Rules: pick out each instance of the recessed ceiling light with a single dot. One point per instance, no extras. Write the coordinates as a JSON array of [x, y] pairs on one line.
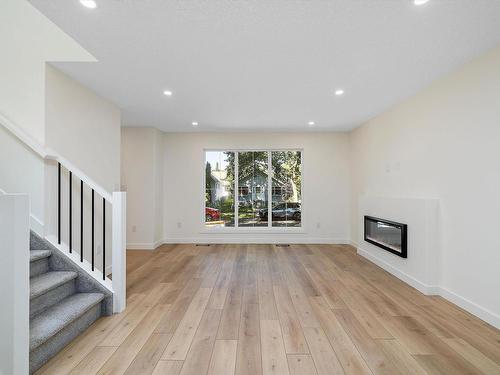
[[89, 4], [167, 93], [420, 2], [339, 92], [310, 123], [194, 123]]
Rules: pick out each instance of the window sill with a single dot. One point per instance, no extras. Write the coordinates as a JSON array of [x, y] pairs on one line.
[[254, 231]]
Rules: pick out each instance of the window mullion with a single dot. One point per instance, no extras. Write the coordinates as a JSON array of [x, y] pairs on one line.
[[269, 190], [236, 191]]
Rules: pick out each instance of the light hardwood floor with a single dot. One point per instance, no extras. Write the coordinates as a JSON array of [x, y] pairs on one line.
[[262, 309]]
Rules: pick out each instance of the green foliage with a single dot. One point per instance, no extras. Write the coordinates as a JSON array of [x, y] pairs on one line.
[[208, 178], [248, 163], [227, 205], [286, 166]]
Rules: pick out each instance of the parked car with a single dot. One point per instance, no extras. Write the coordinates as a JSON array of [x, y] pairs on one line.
[[287, 211], [212, 214]]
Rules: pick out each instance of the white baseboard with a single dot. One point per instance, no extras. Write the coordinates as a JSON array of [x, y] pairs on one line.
[[225, 240], [255, 240], [144, 246], [420, 286], [479, 311], [37, 225]]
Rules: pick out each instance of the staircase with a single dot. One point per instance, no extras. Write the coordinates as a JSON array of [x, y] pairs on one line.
[[64, 301], [84, 240]]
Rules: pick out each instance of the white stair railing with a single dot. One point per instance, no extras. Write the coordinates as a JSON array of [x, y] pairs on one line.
[[70, 193], [14, 283]]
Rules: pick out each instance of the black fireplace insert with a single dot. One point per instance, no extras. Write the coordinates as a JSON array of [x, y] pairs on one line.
[[388, 235]]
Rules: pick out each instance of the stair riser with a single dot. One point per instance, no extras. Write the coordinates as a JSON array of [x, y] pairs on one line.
[[39, 266], [51, 347], [50, 298]]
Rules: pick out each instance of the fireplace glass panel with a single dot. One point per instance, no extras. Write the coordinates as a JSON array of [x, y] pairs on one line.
[[386, 234]]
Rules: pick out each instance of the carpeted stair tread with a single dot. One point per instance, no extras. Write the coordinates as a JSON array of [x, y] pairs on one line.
[[39, 254], [51, 321], [47, 281]]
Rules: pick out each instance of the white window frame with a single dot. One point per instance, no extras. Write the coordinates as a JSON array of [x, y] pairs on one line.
[[269, 228]]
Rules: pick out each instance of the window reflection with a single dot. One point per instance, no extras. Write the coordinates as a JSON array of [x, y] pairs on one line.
[[219, 189], [252, 188], [251, 196], [286, 188]]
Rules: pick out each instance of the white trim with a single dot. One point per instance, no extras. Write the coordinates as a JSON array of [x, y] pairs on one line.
[[36, 225], [256, 240], [420, 286], [85, 265], [479, 311], [14, 283], [270, 175], [472, 307], [23, 136], [109, 271], [264, 229], [48, 154], [254, 230], [119, 251], [145, 246]]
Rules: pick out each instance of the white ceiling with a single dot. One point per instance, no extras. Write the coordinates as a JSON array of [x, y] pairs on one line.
[[268, 64]]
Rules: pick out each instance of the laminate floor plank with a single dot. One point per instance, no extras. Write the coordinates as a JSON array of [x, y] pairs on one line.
[[223, 358], [262, 309], [301, 364], [273, 349]]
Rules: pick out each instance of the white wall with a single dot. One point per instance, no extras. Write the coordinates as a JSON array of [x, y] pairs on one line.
[[444, 144], [22, 170], [326, 180], [22, 66], [158, 183], [25, 52], [86, 130], [83, 128], [421, 268], [142, 178]]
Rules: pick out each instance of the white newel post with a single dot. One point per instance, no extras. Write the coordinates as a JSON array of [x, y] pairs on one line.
[[119, 253], [14, 283]]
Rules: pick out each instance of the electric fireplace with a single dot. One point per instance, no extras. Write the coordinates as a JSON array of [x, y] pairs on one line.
[[386, 234]]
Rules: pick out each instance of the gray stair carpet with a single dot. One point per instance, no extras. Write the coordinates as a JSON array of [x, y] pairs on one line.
[[39, 254], [39, 262], [45, 282], [50, 322], [64, 301]]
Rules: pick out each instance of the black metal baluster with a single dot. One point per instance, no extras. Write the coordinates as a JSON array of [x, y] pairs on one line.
[[70, 209], [81, 221], [59, 203], [92, 229], [103, 238]]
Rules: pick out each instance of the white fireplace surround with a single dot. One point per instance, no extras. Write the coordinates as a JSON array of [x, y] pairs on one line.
[[422, 268]]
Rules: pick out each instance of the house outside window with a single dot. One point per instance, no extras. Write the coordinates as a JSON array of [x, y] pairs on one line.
[[269, 186]]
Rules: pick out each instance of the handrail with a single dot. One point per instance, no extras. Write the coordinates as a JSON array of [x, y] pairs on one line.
[[82, 176], [49, 154], [117, 200], [23, 136]]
